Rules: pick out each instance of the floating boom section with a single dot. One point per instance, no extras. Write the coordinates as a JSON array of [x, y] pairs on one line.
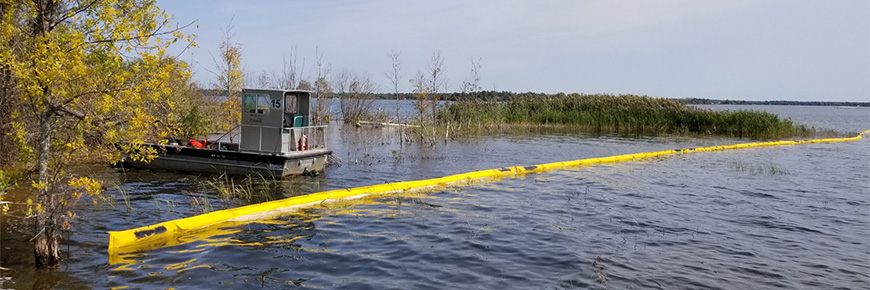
[[169, 233]]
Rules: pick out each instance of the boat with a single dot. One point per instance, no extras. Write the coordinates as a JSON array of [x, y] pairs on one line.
[[275, 139]]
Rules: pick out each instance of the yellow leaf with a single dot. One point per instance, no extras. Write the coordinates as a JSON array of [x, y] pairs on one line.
[[38, 185]]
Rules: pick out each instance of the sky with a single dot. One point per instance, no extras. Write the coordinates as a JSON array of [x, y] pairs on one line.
[[736, 49]]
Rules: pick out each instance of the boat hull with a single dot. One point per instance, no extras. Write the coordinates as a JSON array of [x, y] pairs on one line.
[[235, 162]]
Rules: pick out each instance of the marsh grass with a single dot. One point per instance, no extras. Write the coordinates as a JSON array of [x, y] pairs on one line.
[[251, 188], [201, 202], [125, 197], [613, 114], [157, 204], [759, 168]]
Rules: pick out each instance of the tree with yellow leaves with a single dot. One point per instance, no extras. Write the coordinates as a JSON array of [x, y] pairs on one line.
[[88, 75], [230, 79]]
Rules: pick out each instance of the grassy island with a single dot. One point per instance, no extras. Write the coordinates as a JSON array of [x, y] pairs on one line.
[[619, 114]]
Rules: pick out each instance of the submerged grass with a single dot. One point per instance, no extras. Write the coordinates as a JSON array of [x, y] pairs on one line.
[[617, 114], [760, 168]]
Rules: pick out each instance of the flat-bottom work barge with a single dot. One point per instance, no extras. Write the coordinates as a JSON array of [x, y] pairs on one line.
[[275, 140]]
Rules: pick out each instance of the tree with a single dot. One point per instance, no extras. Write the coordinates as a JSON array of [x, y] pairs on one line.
[[472, 85], [305, 85], [196, 112], [323, 100], [395, 75], [426, 88], [424, 103], [88, 75], [421, 96], [435, 69], [8, 105], [264, 80], [357, 95], [322, 91], [341, 81], [230, 80], [289, 72]]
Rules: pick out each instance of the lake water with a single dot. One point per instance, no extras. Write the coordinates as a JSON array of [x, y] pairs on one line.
[[795, 217]]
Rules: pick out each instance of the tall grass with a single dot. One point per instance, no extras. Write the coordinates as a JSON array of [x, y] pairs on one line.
[[252, 188], [618, 114]]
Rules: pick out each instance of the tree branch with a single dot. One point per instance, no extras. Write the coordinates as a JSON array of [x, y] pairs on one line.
[[73, 12], [59, 109], [152, 34]]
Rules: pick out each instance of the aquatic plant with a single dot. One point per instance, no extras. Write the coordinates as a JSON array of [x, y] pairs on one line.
[[126, 198], [156, 203], [759, 169], [202, 203], [617, 114], [251, 188], [600, 270]]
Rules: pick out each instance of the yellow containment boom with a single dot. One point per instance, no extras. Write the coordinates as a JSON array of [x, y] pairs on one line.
[[169, 233]]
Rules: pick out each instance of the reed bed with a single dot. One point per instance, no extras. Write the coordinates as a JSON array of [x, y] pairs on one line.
[[617, 114]]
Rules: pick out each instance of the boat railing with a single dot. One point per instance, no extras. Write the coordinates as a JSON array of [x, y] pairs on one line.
[[303, 138]]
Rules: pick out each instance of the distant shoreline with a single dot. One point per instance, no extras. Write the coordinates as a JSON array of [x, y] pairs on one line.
[[695, 101], [505, 95]]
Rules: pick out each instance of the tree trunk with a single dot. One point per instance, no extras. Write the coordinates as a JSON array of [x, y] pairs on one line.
[[8, 153], [45, 248]]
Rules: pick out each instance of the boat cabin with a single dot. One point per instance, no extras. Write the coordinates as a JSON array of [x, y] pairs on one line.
[[278, 122]]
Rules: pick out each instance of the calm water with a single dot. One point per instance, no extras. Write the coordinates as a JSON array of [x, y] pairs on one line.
[[769, 218]]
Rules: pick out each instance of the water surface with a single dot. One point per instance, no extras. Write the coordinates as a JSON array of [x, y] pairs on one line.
[[795, 217]]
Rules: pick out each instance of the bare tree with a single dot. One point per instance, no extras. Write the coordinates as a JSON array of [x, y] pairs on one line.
[[427, 87], [424, 102], [421, 92], [341, 81], [436, 68], [395, 76], [289, 78], [356, 103], [264, 80], [472, 85], [322, 90]]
